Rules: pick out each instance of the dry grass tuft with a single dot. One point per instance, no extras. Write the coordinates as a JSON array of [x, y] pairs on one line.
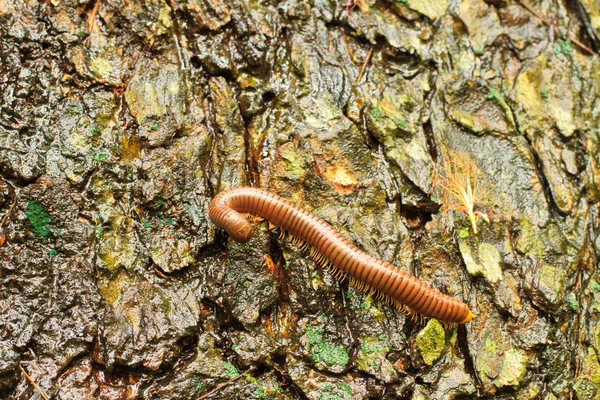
[[458, 178]]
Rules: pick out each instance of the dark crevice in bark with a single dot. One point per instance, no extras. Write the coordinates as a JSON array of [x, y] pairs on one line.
[[586, 34], [463, 345], [538, 167]]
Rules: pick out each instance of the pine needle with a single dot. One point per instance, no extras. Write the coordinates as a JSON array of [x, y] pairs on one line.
[[215, 390], [33, 384]]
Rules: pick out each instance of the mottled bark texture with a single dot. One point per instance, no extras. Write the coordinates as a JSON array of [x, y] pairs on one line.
[[121, 119]]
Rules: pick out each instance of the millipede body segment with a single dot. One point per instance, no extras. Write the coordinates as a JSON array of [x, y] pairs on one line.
[[329, 247]]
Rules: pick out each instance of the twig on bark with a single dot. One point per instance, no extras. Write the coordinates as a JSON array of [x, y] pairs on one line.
[[33, 384], [229, 382], [548, 23], [92, 19], [10, 208], [364, 67]]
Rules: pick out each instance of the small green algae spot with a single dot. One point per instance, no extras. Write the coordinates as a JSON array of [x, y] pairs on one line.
[[321, 351], [595, 286], [147, 224], [513, 370], [38, 218], [401, 123], [53, 252], [544, 93], [95, 129], [376, 113], [495, 95], [287, 265], [402, 1], [339, 392], [430, 341], [160, 203], [230, 370], [463, 234], [259, 393], [101, 156], [98, 231], [73, 111], [573, 302], [565, 47], [154, 126]]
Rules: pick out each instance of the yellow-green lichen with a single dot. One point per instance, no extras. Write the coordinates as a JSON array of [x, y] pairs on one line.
[[431, 341], [587, 384], [487, 263], [513, 370], [552, 283]]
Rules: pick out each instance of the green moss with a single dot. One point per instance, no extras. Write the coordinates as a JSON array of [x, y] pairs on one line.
[[230, 370], [39, 219], [463, 234], [376, 112], [147, 224], [53, 252], [431, 341], [595, 286], [544, 93]]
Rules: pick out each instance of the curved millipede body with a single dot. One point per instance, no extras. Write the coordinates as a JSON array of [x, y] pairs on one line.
[[329, 247]]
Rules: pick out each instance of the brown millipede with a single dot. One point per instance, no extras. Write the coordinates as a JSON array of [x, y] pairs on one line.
[[329, 247]]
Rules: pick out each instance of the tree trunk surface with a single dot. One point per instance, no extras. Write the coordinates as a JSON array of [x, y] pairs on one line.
[[120, 120]]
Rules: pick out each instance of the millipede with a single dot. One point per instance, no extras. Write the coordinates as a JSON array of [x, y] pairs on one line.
[[230, 209]]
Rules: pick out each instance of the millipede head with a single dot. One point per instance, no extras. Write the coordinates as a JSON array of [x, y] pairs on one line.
[[469, 317]]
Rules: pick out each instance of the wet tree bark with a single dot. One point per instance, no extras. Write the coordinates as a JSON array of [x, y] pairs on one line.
[[120, 120]]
